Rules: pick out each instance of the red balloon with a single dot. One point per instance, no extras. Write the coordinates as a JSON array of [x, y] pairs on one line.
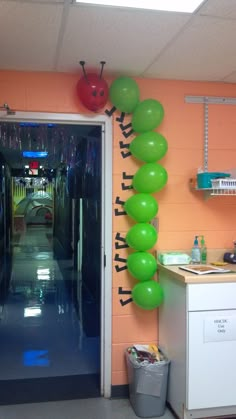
[[93, 92]]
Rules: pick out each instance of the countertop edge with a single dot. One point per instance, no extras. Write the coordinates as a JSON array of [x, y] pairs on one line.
[[191, 278]]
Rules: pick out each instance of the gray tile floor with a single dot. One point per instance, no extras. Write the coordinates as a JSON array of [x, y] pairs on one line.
[[99, 408]]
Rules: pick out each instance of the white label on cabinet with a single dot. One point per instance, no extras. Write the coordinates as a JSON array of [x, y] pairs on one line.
[[218, 329]]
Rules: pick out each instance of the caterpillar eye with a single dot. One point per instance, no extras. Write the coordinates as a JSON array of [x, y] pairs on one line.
[[94, 93], [102, 93]]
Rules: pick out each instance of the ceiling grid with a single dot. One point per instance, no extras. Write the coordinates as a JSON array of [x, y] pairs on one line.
[[54, 35]]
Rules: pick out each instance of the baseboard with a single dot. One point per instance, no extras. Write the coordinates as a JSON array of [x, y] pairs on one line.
[[172, 410], [120, 392], [36, 390]]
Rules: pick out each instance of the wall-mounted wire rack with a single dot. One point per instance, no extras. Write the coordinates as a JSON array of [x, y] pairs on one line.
[[220, 187]]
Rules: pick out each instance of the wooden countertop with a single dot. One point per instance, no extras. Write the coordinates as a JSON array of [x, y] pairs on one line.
[[191, 278]]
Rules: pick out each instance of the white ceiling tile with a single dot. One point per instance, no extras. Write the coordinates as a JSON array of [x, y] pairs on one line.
[[231, 78], [225, 9], [168, 45], [28, 35], [127, 40], [36, 1], [204, 51]]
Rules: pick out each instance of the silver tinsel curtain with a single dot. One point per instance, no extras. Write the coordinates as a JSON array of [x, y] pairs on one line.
[[58, 140]]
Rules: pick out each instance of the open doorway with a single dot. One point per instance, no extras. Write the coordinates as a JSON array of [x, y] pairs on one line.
[[54, 322]]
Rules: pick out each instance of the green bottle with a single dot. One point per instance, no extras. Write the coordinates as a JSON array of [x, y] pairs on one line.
[[203, 251]]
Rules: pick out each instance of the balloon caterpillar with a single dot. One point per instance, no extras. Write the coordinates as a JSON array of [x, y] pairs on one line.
[[149, 147]]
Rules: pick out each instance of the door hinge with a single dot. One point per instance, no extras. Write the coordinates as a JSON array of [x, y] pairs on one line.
[[105, 260]]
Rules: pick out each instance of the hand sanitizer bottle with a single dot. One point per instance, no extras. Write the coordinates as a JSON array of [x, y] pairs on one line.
[[196, 253], [203, 251]]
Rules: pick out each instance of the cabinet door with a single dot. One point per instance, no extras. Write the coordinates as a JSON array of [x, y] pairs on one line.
[[211, 359]]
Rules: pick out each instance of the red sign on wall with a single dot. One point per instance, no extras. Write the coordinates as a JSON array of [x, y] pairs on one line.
[[34, 164]]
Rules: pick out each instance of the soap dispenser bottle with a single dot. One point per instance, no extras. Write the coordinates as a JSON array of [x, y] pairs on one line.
[[196, 252], [203, 251]]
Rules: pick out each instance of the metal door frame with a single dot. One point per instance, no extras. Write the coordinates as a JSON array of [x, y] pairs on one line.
[[106, 236]]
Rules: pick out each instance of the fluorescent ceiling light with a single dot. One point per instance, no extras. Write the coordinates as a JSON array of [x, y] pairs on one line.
[[185, 6], [43, 271], [44, 277]]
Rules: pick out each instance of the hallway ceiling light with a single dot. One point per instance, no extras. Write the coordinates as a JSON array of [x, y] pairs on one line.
[[43, 271], [42, 256], [184, 6], [43, 277]]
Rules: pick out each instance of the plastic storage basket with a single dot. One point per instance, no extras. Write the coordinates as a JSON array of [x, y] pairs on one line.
[[224, 184]]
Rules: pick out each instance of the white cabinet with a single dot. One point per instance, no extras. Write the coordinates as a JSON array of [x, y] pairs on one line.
[[197, 330], [211, 359]]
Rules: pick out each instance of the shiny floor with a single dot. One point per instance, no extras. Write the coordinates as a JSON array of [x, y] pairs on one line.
[[40, 329], [75, 409], [50, 350]]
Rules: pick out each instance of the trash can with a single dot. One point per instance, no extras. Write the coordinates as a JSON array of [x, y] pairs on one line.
[[147, 386]]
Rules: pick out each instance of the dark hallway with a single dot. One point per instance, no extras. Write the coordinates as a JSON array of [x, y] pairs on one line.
[[50, 292]]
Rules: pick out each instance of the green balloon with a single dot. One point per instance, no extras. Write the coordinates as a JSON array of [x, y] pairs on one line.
[[141, 236], [148, 295], [142, 207], [142, 265], [124, 94], [149, 146], [151, 177], [147, 115]]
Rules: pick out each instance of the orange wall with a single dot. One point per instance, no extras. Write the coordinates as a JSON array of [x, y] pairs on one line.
[[182, 213]]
